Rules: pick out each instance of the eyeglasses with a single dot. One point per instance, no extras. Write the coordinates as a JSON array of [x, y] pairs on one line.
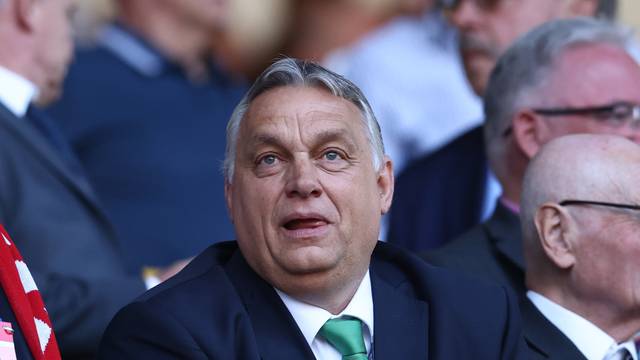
[[614, 115], [599, 203]]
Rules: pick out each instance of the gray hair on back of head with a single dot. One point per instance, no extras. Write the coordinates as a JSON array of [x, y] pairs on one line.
[[523, 69], [294, 72]]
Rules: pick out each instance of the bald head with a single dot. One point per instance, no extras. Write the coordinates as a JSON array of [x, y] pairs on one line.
[[584, 166], [582, 254]]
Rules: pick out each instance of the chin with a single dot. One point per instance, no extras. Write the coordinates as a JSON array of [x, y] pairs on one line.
[[309, 261]]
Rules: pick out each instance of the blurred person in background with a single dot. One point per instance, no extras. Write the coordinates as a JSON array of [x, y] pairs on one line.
[[580, 222], [47, 203], [145, 109], [565, 77], [444, 194], [410, 70]]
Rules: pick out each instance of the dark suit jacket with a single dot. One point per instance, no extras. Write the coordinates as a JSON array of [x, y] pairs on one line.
[[491, 251], [440, 196], [544, 339], [219, 308], [56, 222]]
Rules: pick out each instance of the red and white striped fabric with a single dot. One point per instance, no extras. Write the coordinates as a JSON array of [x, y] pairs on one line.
[[25, 300]]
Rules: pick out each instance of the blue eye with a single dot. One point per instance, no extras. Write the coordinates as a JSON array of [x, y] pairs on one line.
[[332, 155], [268, 160]]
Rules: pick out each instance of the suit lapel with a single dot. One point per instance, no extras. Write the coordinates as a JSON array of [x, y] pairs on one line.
[[43, 151], [276, 332], [400, 322], [501, 227], [543, 337]]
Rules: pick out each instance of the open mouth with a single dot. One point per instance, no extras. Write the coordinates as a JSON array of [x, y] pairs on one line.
[[305, 226], [306, 223]]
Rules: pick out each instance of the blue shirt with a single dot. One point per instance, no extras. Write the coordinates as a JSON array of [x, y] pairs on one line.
[[152, 143]]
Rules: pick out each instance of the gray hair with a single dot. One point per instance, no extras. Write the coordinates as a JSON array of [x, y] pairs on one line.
[[522, 71], [294, 72]]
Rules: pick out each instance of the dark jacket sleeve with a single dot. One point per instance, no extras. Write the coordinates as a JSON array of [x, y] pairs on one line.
[[140, 332], [80, 309]]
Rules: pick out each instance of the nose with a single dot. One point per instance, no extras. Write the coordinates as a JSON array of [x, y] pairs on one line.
[[302, 179], [465, 15]]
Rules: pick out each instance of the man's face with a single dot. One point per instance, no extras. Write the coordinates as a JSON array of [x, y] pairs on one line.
[[606, 273], [54, 44], [588, 76], [305, 198], [488, 27], [210, 14]]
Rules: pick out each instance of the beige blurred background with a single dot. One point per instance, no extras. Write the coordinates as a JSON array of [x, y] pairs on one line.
[[629, 13]]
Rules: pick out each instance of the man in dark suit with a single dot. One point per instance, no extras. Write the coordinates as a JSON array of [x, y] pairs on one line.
[[46, 202], [307, 182], [145, 109], [444, 194], [580, 224], [549, 79]]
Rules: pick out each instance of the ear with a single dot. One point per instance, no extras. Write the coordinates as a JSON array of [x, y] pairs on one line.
[[554, 225], [582, 8], [26, 12], [528, 131], [228, 195], [386, 184]]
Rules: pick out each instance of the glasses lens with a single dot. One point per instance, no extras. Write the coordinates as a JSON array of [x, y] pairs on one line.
[[616, 115]]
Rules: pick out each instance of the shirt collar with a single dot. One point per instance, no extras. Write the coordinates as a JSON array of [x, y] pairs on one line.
[[311, 318], [592, 342], [132, 50], [16, 92]]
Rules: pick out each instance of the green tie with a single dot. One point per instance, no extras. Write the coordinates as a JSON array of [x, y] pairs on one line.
[[345, 334]]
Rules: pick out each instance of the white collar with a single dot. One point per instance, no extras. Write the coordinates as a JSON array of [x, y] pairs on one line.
[[131, 51], [16, 92], [592, 342], [311, 318]]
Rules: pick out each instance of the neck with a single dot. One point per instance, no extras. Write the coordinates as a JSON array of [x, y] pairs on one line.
[[331, 295], [186, 43], [512, 174], [620, 324]]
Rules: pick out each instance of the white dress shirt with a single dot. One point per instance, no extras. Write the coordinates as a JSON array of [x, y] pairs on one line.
[[16, 92], [310, 319], [592, 342]]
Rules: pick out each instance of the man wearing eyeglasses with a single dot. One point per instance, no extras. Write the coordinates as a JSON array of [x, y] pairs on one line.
[[564, 77], [580, 221], [441, 196]]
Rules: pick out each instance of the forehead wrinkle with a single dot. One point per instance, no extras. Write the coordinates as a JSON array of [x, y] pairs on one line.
[[326, 136]]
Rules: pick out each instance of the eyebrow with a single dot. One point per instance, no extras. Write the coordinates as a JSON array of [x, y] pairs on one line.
[[334, 135], [320, 138]]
